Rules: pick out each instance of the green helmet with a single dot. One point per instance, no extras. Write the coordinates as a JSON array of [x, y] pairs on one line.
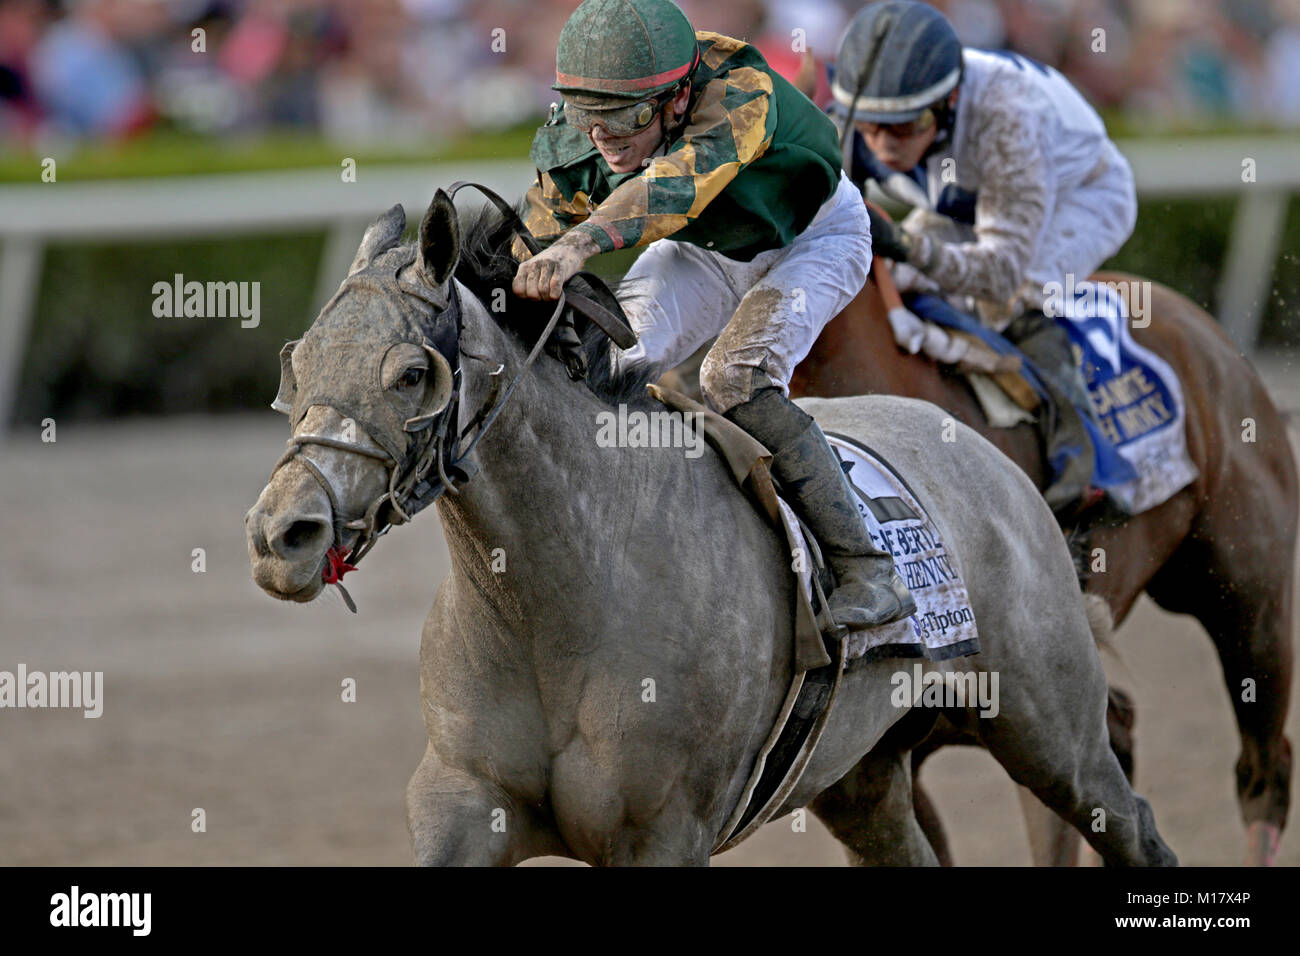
[[625, 49]]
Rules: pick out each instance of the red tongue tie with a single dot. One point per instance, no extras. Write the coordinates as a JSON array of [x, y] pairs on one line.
[[336, 566]]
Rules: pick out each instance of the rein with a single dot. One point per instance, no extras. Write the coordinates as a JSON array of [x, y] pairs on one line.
[[411, 485]]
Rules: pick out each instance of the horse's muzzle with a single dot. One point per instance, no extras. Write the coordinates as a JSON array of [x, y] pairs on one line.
[[287, 551]]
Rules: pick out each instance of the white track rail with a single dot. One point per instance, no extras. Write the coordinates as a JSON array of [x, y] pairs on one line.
[[249, 203]]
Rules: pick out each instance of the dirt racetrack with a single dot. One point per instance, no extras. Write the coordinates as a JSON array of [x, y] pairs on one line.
[[218, 697]]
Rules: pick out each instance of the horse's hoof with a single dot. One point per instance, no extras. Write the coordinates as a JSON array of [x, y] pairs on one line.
[[1261, 843]]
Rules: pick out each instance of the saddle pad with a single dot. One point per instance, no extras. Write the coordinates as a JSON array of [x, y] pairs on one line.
[[1135, 393], [944, 624], [1140, 447]]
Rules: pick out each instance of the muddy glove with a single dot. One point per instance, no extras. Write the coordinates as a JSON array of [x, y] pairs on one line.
[[543, 276], [887, 239]]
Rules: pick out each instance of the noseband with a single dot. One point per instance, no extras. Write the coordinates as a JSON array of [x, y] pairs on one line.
[[412, 484]]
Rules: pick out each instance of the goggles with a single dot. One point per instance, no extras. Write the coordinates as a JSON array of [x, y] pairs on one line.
[[901, 130], [622, 121]]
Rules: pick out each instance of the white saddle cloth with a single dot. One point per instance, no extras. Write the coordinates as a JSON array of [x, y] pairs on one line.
[[943, 626]]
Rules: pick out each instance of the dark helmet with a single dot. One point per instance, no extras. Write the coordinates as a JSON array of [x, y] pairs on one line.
[[897, 59]]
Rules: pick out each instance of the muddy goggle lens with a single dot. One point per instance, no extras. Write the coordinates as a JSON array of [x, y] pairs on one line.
[[624, 121], [902, 130]]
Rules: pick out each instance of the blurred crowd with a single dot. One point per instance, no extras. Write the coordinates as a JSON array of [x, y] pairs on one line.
[[414, 70]]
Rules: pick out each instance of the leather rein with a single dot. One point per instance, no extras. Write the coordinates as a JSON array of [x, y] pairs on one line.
[[412, 483]]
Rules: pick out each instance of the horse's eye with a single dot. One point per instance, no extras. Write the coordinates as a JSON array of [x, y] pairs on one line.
[[411, 377]]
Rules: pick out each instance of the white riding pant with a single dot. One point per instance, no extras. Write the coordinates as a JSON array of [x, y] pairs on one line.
[[766, 313]]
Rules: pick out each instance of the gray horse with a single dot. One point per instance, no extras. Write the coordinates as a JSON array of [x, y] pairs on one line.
[[608, 654]]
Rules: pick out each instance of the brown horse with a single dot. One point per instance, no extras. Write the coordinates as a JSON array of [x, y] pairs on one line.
[[1222, 549]]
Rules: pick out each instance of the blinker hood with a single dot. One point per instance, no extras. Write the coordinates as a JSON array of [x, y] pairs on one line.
[[341, 360]]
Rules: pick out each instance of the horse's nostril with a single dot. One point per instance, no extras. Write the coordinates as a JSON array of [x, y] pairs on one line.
[[303, 535], [301, 532]]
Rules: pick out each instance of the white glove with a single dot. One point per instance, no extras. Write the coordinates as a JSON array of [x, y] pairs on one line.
[[909, 330]]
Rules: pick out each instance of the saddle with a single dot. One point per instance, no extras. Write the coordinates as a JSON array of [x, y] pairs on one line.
[[999, 383]]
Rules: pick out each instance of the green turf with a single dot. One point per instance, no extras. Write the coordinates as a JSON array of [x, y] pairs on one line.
[[174, 154]]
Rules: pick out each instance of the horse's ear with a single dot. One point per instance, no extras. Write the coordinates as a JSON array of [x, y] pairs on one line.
[[439, 240], [381, 235], [288, 383]]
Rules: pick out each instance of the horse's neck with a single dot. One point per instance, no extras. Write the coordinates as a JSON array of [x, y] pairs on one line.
[[547, 503]]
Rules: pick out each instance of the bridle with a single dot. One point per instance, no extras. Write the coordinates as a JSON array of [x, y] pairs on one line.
[[435, 465]]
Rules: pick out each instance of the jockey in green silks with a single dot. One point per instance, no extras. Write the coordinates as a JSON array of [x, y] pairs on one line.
[[691, 145]]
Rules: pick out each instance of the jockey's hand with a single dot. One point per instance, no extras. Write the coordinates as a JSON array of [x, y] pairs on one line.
[[888, 239], [543, 276]]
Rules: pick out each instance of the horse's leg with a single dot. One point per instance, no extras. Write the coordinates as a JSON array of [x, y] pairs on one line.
[[455, 819], [870, 811], [1250, 623], [927, 816], [1067, 762], [943, 734], [1050, 734], [1052, 841]]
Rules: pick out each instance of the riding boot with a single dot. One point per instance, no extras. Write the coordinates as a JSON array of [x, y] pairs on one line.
[[868, 590], [1067, 442]]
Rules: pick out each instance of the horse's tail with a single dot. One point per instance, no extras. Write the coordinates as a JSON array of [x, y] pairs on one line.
[[1101, 622]]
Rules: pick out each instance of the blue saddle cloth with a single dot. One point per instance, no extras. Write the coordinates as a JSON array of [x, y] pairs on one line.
[[1110, 469]]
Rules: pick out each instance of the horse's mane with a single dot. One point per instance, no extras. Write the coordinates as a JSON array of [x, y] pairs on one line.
[[486, 265]]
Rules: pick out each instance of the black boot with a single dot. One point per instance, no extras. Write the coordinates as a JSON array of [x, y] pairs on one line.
[[1049, 347], [868, 590]]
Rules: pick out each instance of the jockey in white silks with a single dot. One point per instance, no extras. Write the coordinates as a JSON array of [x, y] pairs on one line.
[[1014, 182], [691, 145]]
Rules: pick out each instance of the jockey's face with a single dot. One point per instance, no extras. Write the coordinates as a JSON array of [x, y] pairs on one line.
[[624, 154], [901, 146], [897, 147]]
